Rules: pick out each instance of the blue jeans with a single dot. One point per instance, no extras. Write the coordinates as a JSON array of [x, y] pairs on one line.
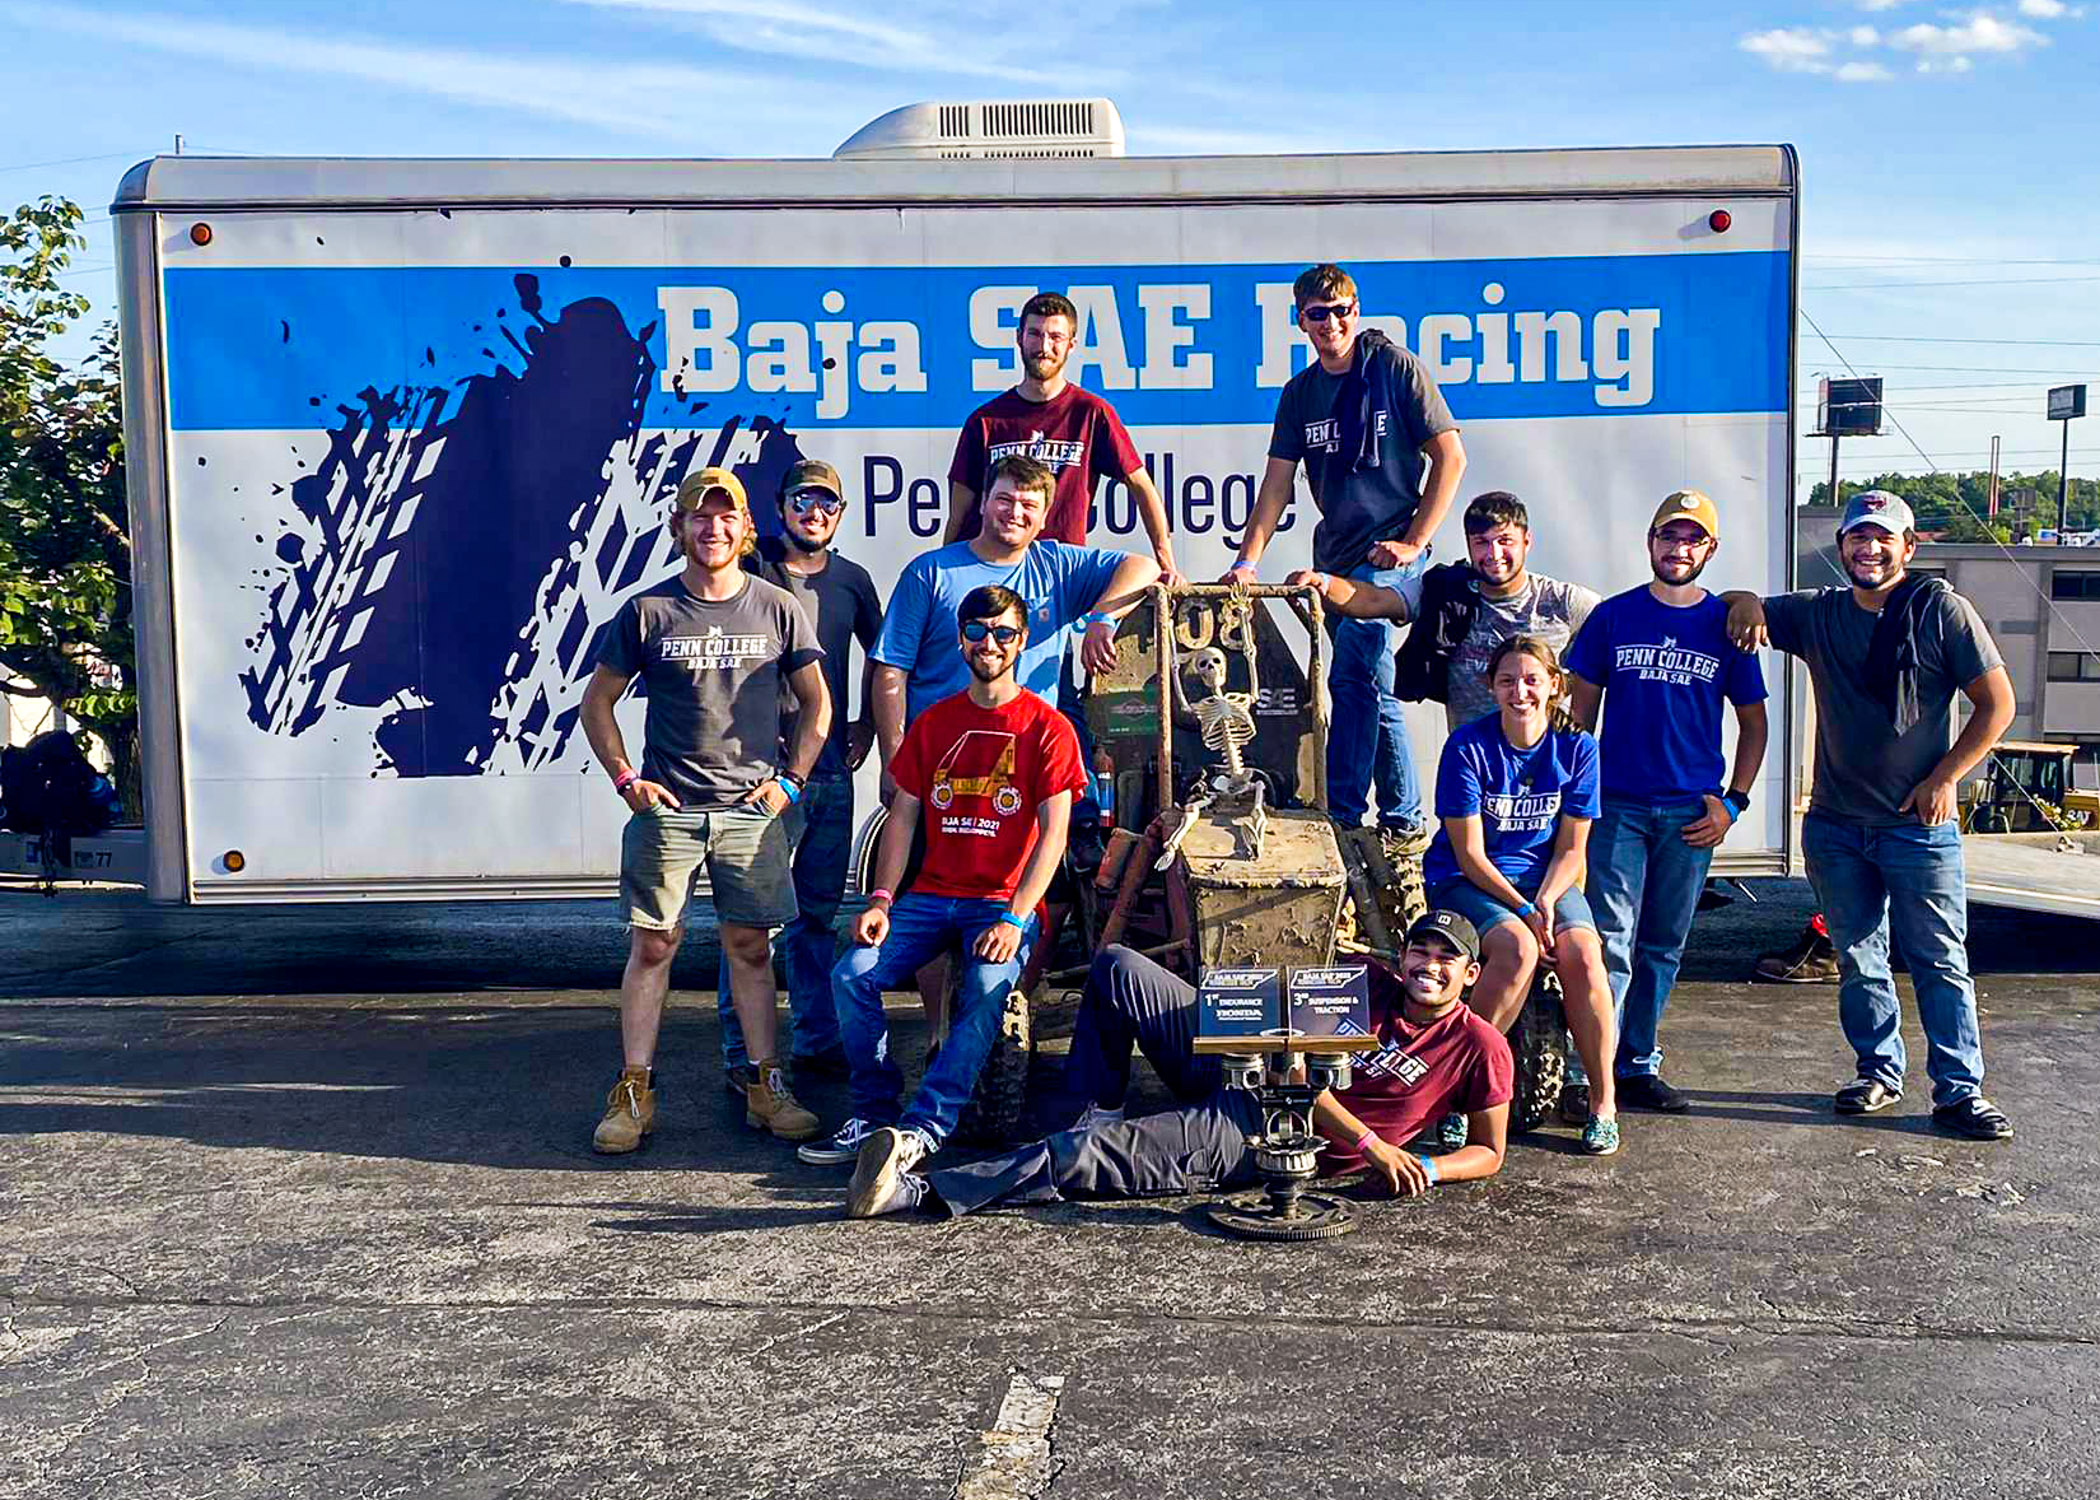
[[923, 928], [1367, 736], [1644, 885], [809, 944], [1906, 879]]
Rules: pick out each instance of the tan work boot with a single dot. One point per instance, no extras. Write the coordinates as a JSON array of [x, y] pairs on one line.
[[769, 1105], [630, 1114]]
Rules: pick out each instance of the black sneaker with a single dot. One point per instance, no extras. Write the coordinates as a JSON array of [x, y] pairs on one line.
[[830, 1063], [1812, 960], [1975, 1118], [1648, 1091], [738, 1080], [1575, 1104], [1865, 1096]]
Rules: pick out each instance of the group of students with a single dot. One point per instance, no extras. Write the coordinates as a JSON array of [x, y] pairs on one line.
[[1552, 844]]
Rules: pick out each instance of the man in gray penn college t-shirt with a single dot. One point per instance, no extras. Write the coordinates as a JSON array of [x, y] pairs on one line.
[[712, 672]]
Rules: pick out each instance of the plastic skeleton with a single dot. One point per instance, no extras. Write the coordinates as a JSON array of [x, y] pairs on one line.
[[1226, 721]]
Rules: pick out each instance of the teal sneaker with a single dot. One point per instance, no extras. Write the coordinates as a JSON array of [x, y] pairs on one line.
[[1600, 1135]]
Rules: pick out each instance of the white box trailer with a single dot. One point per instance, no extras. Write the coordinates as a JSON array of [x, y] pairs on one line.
[[402, 434]]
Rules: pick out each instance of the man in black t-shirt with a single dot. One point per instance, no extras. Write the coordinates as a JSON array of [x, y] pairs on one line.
[[1383, 459]]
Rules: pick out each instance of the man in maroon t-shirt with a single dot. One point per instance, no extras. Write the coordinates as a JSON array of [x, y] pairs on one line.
[[1435, 1056], [994, 769], [1049, 419]]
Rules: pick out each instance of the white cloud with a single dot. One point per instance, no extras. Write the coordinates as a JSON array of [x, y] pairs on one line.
[[1863, 72], [1881, 4], [1865, 36], [613, 95], [1980, 33], [2050, 10], [1793, 49]]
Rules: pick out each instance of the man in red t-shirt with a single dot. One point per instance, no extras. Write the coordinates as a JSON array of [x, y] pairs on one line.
[[1435, 1056], [993, 771], [1047, 418]]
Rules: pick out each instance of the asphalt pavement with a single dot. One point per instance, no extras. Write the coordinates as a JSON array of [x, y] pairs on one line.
[[300, 1201]]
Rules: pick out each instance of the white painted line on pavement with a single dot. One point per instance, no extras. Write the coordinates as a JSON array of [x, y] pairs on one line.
[[1013, 1459]]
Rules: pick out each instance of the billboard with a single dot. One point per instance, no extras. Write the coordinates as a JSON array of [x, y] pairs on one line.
[[416, 459]]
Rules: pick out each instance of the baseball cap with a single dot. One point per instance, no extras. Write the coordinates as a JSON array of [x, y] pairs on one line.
[[1689, 505], [1452, 928], [811, 474], [1891, 512], [697, 487]]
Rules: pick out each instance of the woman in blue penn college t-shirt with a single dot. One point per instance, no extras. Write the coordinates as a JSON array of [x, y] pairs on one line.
[[1515, 793]]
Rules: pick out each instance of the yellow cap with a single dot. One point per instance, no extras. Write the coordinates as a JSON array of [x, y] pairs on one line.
[[1689, 505], [695, 488]]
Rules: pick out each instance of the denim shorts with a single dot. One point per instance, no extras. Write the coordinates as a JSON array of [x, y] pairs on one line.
[[1484, 911], [748, 852]]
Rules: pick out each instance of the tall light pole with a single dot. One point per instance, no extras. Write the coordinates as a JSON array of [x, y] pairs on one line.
[[2066, 403]]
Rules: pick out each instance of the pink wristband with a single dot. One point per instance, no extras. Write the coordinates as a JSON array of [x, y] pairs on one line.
[[883, 894], [1363, 1142], [626, 779]]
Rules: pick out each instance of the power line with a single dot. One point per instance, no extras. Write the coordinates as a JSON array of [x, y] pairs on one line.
[[1890, 286], [66, 161], [1956, 260], [1913, 338]]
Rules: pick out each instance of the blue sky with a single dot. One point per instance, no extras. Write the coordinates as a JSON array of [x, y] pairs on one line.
[[1950, 228]]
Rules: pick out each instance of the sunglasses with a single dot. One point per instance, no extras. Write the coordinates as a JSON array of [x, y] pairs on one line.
[[977, 630], [1321, 312], [802, 502]]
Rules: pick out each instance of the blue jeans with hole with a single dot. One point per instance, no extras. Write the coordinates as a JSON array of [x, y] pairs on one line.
[[809, 945], [922, 928], [1904, 881], [1367, 738], [1644, 886]]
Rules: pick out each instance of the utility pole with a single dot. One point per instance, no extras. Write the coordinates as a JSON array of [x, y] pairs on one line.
[[178, 143], [1992, 513]]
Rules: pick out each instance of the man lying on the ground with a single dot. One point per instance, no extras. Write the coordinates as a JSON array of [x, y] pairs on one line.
[[1435, 1056]]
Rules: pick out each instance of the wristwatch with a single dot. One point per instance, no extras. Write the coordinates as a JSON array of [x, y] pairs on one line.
[[1739, 801]]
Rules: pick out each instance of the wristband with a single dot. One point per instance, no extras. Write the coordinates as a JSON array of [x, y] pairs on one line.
[[1527, 908], [1100, 617], [883, 894], [1429, 1166], [626, 779], [1244, 566], [1363, 1142], [784, 774], [788, 789], [1019, 924]]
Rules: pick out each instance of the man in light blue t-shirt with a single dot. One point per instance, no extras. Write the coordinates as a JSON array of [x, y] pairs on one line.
[[916, 663], [1660, 658]]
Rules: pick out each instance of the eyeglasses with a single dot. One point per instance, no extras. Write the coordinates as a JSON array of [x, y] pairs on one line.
[[977, 630], [1321, 312], [802, 502]]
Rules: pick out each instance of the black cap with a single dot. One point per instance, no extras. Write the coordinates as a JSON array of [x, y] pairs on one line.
[[1452, 928]]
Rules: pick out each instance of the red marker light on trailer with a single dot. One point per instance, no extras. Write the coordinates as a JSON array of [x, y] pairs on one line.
[[1719, 220], [200, 233], [234, 860]]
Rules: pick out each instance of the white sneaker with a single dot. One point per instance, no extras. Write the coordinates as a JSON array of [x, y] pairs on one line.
[[886, 1155], [908, 1193], [837, 1149], [1095, 1117]]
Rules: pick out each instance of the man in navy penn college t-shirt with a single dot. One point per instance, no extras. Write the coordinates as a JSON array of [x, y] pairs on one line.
[[1659, 658]]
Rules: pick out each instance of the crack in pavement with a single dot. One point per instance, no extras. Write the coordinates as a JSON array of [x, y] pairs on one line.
[[1717, 1330]]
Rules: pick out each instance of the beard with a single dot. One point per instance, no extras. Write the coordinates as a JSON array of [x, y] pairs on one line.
[[984, 673], [800, 542], [1043, 366], [1894, 574], [1691, 577]]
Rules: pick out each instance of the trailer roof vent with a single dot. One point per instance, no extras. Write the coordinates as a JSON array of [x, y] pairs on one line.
[[1025, 127]]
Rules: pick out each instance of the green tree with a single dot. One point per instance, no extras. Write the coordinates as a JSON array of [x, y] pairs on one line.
[[65, 558]]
